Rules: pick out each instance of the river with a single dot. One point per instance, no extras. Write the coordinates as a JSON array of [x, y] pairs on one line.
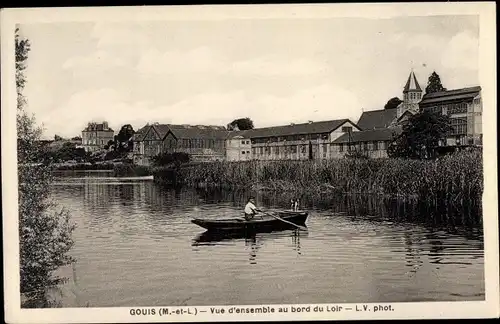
[[136, 246]]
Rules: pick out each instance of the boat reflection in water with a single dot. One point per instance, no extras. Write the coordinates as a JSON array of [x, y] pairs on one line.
[[253, 240]]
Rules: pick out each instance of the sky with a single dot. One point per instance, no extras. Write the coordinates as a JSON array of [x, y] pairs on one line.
[[274, 71]]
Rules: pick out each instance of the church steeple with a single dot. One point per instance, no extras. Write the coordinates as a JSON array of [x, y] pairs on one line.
[[412, 84], [412, 94]]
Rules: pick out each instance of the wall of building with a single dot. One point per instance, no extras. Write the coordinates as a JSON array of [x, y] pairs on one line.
[[373, 149], [239, 149], [340, 131], [95, 140]]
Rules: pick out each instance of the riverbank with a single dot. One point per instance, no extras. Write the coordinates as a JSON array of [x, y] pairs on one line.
[[118, 169], [454, 177]]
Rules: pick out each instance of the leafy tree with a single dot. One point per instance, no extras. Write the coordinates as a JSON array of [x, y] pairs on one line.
[[434, 84], [420, 136], [393, 103], [44, 232], [241, 124], [76, 138], [123, 140], [57, 138]]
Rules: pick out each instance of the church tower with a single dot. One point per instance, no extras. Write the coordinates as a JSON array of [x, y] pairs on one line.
[[412, 94]]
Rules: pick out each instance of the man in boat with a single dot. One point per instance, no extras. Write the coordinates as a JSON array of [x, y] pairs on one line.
[[250, 209]]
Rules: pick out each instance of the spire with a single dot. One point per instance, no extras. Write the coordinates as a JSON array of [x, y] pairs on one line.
[[412, 83]]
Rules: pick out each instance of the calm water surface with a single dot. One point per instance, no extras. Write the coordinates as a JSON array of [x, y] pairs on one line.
[[136, 246]]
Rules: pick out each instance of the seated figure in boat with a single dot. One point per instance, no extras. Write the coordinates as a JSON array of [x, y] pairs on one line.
[[250, 209]]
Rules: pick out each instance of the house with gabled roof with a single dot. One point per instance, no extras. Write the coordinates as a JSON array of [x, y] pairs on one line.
[[201, 142]]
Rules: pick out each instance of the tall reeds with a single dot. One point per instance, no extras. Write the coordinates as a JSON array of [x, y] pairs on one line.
[[454, 177]]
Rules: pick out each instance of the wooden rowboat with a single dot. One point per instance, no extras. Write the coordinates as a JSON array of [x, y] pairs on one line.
[[282, 220]]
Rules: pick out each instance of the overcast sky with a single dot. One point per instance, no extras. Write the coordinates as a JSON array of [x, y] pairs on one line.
[[275, 71]]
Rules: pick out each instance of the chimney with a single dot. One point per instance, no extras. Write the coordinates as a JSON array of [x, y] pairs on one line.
[[105, 125]]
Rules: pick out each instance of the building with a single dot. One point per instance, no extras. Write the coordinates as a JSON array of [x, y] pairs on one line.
[[201, 142], [95, 136], [303, 141], [464, 107], [378, 127], [377, 119], [238, 147], [371, 143], [412, 94]]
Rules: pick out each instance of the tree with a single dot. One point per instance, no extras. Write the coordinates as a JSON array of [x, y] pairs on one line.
[[44, 233], [76, 138], [434, 84], [241, 124], [393, 103], [420, 136], [123, 140], [57, 138]]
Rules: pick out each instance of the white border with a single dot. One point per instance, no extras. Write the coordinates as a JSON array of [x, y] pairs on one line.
[[425, 310]]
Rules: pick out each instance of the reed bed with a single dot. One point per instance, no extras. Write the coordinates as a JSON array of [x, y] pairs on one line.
[[454, 177]]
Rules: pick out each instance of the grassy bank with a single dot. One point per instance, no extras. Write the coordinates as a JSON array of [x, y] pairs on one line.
[[455, 177], [83, 166]]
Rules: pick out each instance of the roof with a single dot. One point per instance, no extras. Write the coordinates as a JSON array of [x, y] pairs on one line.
[[385, 134], [198, 131], [139, 134], [377, 119], [97, 127], [293, 129], [451, 95], [412, 83]]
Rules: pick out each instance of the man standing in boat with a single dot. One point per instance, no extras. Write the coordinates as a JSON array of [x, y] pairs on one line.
[[250, 209]]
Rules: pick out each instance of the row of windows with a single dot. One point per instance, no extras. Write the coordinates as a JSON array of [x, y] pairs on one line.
[[412, 96], [303, 149], [291, 138], [195, 143], [245, 142], [363, 146], [448, 109]]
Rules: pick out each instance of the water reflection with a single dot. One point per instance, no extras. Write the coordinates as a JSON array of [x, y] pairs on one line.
[[380, 250], [252, 240]]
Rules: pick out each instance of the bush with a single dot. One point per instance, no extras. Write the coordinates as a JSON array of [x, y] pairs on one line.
[[176, 158]]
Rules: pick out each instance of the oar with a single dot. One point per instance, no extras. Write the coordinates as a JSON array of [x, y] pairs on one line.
[[285, 221]]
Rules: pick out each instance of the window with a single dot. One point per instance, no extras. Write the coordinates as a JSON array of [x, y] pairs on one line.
[[375, 146], [242, 152], [253, 150], [248, 152], [365, 146], [370, 146], [346, 129], [303, 149], [341, 147], [294, 149]]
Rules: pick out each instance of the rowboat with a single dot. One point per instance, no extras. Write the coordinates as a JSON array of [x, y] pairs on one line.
[[281, 220]]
